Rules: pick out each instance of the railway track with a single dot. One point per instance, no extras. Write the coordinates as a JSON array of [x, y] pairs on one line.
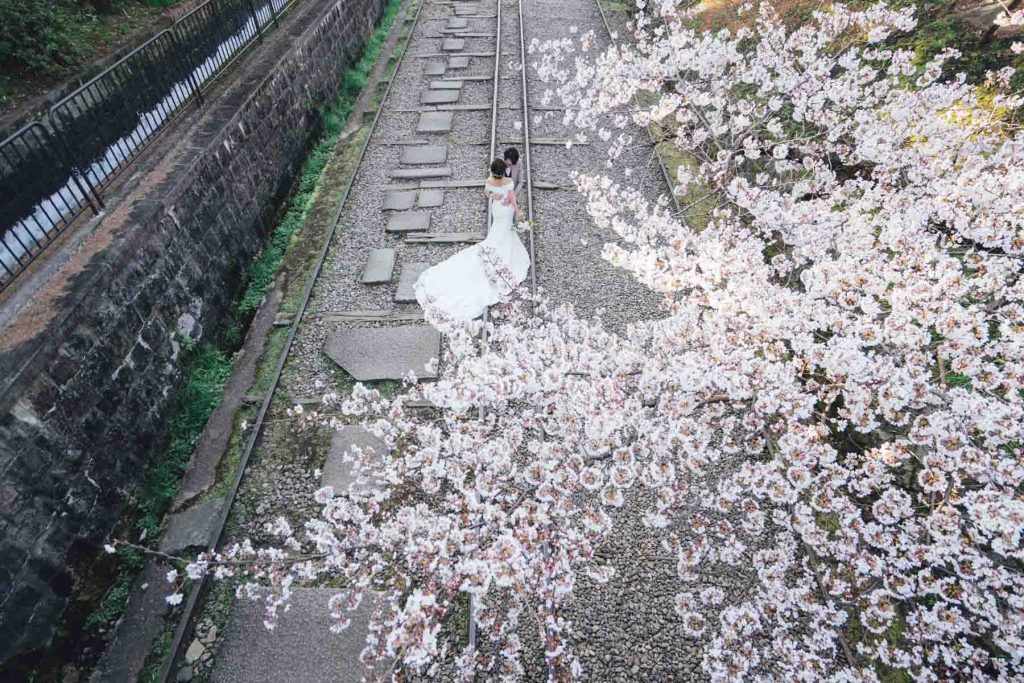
[[661, 162], [185, 629]]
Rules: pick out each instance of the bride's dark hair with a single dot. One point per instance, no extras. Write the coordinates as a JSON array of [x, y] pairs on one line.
[[498, 168]]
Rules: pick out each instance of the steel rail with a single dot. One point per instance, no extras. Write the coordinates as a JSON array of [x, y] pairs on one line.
[[529, 197], [650, 134], [185, 624]]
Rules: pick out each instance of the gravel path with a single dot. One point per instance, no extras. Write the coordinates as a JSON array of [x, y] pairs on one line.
[[626, 630]]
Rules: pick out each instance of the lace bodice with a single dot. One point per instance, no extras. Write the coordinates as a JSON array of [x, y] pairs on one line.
[[498, 189]]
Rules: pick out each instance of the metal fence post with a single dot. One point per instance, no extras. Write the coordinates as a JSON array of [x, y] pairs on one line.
[[184, 61], [64, 150], [256, 20]]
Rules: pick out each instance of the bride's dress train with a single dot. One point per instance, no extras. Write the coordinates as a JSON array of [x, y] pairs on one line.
[[465, 284]]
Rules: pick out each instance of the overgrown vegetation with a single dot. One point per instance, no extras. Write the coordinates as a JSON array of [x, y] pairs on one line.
[[42, 42], [940, 26]]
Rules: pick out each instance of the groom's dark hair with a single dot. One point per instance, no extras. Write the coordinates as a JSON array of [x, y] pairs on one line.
[[512, 154]]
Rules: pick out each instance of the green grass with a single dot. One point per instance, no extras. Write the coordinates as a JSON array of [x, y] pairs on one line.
[[334, 118], [47, 41]]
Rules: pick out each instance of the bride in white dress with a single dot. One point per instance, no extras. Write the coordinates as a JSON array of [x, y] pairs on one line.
[[464, 285]]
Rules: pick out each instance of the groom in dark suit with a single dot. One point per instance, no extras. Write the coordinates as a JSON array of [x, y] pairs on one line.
[[512, 169]]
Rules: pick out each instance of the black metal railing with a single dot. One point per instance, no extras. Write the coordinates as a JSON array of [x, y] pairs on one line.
[[54, 169]]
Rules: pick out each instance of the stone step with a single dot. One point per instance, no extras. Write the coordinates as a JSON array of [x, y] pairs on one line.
[[420, 173], [399, 200], [445, 84], [376, 353], [453, 45], [434, 69], [410, 274], [459, 62], [439, 97], [435, 122], [408, 221], [458, 22], [337, 473], [300, 648], [468, 78], [445, 238], [195, 527], [380, 267], [430, 199], [426, 154]]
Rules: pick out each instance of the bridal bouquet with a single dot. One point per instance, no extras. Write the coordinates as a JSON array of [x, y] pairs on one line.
[[524, 226]]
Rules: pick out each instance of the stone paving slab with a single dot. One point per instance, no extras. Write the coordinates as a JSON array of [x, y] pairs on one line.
[[194, 527], [427, 154], [458, 62], [336, 472], [453, 45], [465, 11], [434, 122], [379, 267], [410, 274], [458, 22], [419, 173], [377, 353], [410, 221], [446, 85], [439, 97], [434, 69], [399, 200], [300, 648], [430, 199]]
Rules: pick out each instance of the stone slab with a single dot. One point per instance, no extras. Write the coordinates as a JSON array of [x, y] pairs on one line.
[[410, 274], [458, 62], [378, 353], [380, 266], [453, 45], [430, 199], [427, 154], [336, 472], [439, 97], [300, 648], [435, 122], [398, 200], [434, 69], [465, 11], [458, 22], [419, 173], [446, 85], [410, 221], [195, 527]]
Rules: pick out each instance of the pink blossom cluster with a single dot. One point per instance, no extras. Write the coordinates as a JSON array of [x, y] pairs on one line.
[[832, 402], [856, 293]]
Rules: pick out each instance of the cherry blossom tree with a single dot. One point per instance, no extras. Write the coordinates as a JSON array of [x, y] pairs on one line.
[[832, 400]]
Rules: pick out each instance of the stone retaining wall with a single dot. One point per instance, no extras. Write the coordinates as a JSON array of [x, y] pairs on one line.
[[87, 381]]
